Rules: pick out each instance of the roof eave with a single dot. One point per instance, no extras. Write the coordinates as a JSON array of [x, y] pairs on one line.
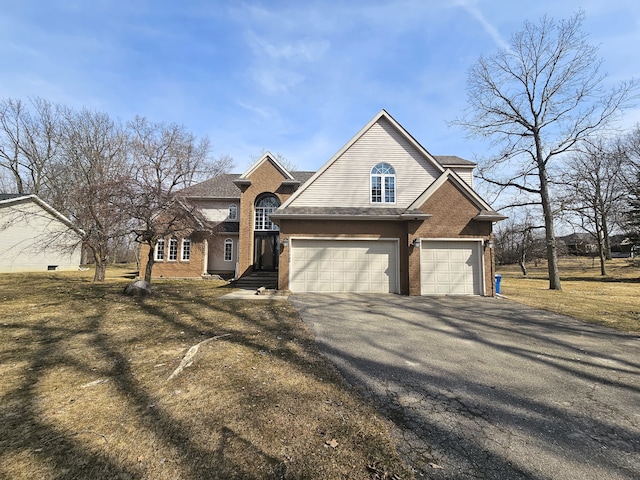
[[327, 216], [242, 182], [490, 217]]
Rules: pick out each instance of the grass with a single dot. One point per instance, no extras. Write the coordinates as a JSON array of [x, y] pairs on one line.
[[84, 389], [612, 300]]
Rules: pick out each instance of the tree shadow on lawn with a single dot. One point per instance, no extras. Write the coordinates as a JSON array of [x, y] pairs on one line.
[[600, 279], [29, 436], [36, 442]]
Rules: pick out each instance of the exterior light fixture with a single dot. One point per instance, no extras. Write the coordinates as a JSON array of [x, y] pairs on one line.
[[285, 242], [488, 244], [416, 242]]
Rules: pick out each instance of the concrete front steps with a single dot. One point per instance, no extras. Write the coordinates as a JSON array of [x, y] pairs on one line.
[[255, 280]]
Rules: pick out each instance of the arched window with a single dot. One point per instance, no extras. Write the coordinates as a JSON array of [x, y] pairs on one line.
[[228, 250], [265, 205], [383, 184], [233, 212]]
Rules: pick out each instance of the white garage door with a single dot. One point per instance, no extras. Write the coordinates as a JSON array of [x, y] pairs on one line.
[[361, 266], [450, 268]]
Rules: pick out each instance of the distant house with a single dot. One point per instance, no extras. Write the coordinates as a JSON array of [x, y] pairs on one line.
[[35, 237], [382, 215], [579, 244]]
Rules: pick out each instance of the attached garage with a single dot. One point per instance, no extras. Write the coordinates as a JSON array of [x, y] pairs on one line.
[[450, 267], [337, 265]]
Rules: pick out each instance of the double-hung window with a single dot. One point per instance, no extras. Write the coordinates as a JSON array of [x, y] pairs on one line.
[[186, 249], [173, 250], [383, 184], [160, 244]]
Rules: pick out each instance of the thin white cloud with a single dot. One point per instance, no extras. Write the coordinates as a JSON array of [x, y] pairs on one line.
[[472, 9], [304, 50]]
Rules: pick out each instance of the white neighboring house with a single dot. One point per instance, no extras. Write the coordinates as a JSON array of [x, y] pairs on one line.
[[35, 237]]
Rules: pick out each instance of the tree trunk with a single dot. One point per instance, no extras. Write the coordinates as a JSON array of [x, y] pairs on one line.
[[523, 267], [550, 236], [600, 238], [101, 266], [150, 261]]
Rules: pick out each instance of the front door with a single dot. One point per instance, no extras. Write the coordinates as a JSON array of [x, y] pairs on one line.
[[266, 249]]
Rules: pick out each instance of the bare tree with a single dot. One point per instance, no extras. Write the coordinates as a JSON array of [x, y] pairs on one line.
[[90, 181], [595, 192], [166, 158], [518, 241], [538, 100], [282, 160], [29, 140]]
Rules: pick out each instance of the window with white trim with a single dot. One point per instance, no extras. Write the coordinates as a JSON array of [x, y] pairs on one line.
[[383, 184], [186, 249], [160, 244], [264, 207], [233, 212], [228, 250], [173, 250]]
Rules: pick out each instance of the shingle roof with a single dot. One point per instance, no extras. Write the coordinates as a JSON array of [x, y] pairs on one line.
[[8, 196], [227, 227], [350, 212], [222, 186], [452, 160]]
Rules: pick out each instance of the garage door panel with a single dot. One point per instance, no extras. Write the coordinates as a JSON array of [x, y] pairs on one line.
[[364, 266], [450, 268]]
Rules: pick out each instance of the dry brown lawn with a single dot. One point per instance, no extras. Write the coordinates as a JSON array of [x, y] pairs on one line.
[[612, 300], [84, 389]]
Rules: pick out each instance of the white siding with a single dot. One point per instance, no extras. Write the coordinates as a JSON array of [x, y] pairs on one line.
[[32, 240], [465, 174], [216, 210], [217, 262], [346, 183]]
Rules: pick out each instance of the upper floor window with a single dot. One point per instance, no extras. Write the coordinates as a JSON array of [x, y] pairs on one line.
[[160, 250], [383, 184], [173, 250], [186, 249], [265, 205], [233, 212]]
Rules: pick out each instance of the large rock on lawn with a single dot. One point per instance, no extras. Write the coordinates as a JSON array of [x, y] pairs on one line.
[[139, 288]]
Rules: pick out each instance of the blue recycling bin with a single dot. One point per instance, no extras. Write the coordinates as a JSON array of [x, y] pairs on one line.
[[498, 280]]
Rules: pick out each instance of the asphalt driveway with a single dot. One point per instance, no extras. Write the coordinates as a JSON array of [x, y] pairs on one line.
[[486, 388]]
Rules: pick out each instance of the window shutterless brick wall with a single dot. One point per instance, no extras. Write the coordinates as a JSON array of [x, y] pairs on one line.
[[192, 268]]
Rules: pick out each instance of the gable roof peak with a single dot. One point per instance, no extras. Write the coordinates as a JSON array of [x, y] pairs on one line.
[[266, 157], [382, 114]]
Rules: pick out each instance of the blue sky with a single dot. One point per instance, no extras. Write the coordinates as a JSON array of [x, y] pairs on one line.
[[298, 78]]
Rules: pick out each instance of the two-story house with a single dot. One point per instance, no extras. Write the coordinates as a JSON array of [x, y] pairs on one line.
[[383, 215]]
